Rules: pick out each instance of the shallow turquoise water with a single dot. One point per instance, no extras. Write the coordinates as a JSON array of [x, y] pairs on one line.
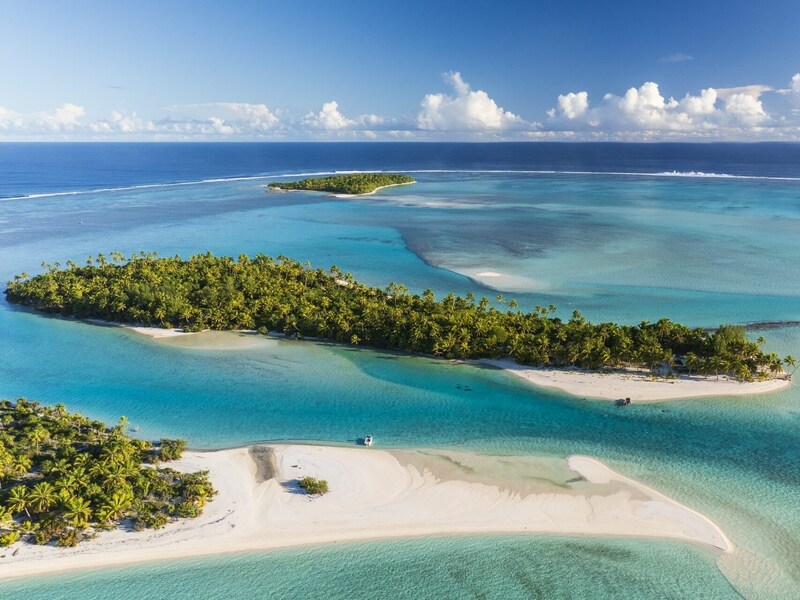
[[619, 248], [475, 567]]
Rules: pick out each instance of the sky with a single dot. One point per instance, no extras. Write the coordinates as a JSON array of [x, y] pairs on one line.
[[434, 70]]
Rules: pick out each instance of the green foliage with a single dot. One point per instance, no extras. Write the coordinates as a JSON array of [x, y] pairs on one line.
[[351, 183], [171, 449], [208, 292], [9, 538], [314, 486], [63, 476]]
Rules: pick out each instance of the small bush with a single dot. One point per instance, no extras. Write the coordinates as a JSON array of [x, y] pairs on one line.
[[172, 449], [314, 486]]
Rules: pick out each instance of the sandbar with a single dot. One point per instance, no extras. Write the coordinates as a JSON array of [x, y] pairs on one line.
[[377, 494]]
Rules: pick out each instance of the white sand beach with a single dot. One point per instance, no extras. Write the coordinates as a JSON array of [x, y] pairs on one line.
[[377, 494], [375, 191], [638, 385]]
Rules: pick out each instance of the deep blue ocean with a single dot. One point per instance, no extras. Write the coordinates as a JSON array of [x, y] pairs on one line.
[[35, 168], [702, 233]]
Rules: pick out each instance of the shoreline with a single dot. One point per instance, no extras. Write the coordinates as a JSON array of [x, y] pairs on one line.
[[377, 494], [280, 190], [638, 385]]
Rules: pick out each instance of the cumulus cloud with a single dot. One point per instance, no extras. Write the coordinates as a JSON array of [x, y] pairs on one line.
[[573, 105], [752, 112], [222, 118], [328, 118], [792, 93], [464, 110], [64, 118], [745, 109], [122, 123], [646, 110]]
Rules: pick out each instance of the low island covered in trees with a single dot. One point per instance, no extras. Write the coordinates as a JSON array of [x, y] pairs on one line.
[[350, 183], [285, 296], [63, 477]]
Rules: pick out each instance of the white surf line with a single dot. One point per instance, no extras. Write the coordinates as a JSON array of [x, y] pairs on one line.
[[676, 174]]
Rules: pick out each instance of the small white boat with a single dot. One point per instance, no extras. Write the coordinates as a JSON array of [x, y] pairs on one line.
[[368, 440]]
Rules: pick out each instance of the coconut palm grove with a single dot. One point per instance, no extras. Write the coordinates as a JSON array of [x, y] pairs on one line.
[[283, 295], [65, 477]]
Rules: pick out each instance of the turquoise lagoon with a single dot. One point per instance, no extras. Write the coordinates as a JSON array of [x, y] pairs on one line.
[[700, 250]]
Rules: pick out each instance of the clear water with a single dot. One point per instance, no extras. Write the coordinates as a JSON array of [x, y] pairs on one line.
[[703, 250], [476, 567]]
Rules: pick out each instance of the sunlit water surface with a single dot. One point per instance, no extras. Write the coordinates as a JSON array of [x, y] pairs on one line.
[[625, 248]]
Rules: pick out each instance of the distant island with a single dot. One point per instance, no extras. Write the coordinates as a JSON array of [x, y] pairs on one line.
[[286, 296], [65, 477], [355, 184]]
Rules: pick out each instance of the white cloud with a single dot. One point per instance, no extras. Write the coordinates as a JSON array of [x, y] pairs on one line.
[[467, 110], [223, 118], [573, 105], [748, 90], [328, 118], [704, 104], [65, 118], [745, 108], [752, 112], [123, 123], [644, 112], [793, 92]]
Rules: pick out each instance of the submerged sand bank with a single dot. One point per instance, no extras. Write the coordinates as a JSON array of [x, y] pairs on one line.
[[639, 385], [377, 494]]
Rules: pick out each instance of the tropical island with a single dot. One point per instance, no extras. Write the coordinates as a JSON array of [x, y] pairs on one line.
[[287, 297], [65, 477], [351, 184]]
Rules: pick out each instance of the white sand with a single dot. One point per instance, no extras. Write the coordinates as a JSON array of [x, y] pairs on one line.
[[499, 281], [636, 385], [374, 494], [375, 191], [158, 332], [152, 332]]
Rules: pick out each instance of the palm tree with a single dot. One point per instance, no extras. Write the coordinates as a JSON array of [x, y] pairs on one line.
[[20, 466], [790, 361], [41, 496], [115, 507], [37, 436], [17, 500], [78, 512]]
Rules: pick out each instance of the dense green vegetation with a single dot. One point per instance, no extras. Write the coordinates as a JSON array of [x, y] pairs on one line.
[[352, 183], [208, 292], [314, 486], [63, 477]]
